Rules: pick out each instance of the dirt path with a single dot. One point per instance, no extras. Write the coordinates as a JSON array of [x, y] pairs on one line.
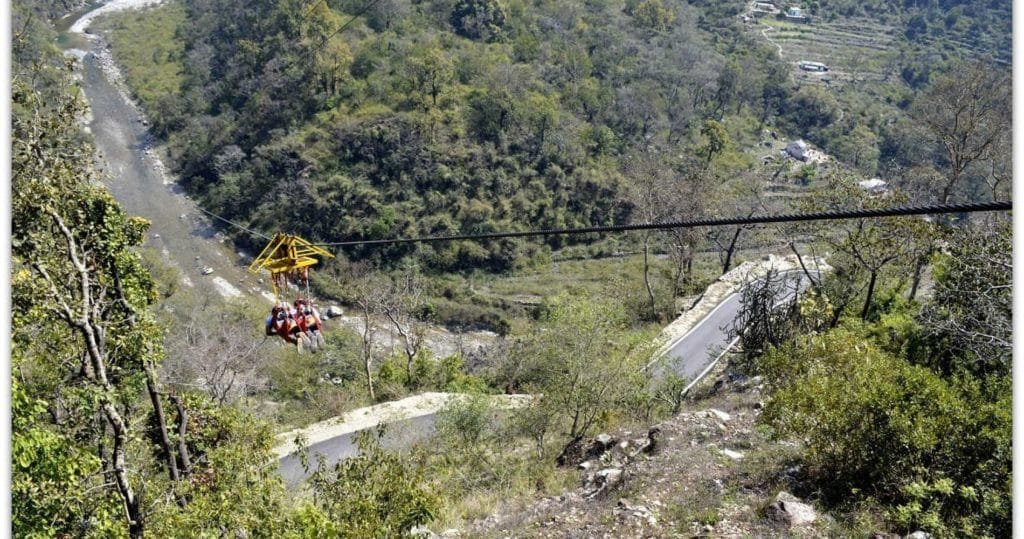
[[764, 34]]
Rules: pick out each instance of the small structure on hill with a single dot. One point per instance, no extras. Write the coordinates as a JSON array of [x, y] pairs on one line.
[[813, 66], [762, 9], [797, 150], [795, 14]]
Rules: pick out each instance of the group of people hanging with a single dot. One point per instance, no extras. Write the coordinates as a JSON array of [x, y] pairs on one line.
[[299, 325], [288, 258]]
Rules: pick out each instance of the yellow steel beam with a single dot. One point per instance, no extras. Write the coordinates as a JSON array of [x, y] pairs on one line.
[[286, 253]]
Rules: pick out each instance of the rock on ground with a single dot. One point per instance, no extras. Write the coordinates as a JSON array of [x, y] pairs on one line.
[[791, 511]]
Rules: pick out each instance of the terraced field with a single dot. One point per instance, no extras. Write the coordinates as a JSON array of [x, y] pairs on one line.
[[854, 49]]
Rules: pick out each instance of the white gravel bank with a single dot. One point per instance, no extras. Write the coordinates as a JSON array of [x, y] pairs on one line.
[[110, 7]]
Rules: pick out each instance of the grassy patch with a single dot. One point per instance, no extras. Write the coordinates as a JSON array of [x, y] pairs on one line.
[[145, 45], [621, 276]]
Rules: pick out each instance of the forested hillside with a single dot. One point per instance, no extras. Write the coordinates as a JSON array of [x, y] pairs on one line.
[[878, 391], [474, 116], [439, 117]]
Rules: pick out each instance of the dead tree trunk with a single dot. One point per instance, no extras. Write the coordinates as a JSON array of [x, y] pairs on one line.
[[730, 249], [161, 421], [800, 259], [367, 350], [871, 292], [186, 459], [647, 273]]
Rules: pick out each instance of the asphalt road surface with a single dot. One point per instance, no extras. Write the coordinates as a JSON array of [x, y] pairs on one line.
[[693, 354], [396, 435]]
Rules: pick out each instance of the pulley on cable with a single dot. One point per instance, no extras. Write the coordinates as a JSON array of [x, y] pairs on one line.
[[288, 259]]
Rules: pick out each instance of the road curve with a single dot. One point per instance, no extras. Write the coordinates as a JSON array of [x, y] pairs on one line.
[[397, 434], [692, 355]]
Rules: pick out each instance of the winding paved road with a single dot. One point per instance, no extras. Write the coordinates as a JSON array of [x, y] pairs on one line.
[[398, 434], [690, 356], [696, 352]]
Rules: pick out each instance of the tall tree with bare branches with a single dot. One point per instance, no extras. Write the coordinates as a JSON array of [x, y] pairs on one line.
[[964, 113]]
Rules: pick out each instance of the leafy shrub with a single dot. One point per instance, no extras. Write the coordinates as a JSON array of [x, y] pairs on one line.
[[479, 19], [375, 494], [936, 451]]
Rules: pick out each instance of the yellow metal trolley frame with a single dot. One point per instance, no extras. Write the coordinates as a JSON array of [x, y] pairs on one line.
[[287, 257]]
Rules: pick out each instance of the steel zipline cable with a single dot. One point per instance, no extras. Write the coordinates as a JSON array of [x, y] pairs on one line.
[[234, 224], [764, 219], [834, 215]]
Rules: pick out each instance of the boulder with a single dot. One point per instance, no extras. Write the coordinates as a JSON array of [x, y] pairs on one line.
[[578, 450], [734, 455], [797, 149], [610, 476], [333, 311], [423, 531], [602, 481], [722, 416], [789, 510], [919, 535], [652, 440], [625, 510]]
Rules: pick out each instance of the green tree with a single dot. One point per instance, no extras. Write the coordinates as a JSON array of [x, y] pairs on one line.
[[586, 363], [490, 114], [540, 117], [717, 139], [72, 248], [654, 14], [50, 476], [479, 19], [374, 494], [811, 108], [430, 71]]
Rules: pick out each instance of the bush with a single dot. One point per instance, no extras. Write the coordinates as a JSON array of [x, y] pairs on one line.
[[376, 494], [936, 451]]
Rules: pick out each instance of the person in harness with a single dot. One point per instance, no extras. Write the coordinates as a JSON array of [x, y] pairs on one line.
[[283, 323], [309, 322]]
